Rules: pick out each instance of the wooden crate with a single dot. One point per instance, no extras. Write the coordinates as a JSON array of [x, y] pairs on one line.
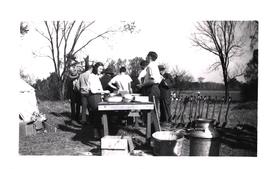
[[26, 129], [114, 145]]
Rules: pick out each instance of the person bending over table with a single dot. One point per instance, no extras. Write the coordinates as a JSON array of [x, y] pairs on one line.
[[122, 82]]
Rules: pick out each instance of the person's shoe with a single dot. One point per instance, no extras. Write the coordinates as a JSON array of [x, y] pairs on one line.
[[165, 124], [84, 122], [76, 123], [96, 135]]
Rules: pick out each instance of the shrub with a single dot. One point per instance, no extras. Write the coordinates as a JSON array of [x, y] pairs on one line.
[[48, 89]]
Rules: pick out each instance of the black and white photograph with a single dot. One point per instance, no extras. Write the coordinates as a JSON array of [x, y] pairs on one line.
[[137, 80], [103, 93]]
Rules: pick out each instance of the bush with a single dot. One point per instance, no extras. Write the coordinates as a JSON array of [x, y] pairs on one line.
[[249, 91], [246, 106], [48, 89]]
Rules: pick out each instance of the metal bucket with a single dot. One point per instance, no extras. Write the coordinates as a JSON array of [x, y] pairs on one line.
[[204, 139], [167, 143]]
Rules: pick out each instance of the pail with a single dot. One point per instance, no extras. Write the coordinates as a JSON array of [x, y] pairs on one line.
[[167, 143]]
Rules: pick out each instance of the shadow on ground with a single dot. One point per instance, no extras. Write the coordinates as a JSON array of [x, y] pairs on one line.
[[61, 115], [240, 137]]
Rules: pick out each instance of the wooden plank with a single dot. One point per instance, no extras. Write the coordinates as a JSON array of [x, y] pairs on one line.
[[105, 124], [148, 127]]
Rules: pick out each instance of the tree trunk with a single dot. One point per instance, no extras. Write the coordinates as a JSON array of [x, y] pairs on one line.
[[62, 89], [225, 80], [226, 91]]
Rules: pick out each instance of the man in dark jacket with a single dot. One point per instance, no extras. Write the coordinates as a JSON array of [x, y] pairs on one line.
[[108, 75], [165, 94], [74, 94]]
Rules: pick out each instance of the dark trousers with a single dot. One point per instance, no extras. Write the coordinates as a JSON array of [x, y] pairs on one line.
[[93, 101], [153, 91], [85, 105], [165, 108], [90, 102], [75, 104]]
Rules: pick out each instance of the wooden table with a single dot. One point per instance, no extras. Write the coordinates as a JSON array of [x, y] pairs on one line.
[[105, 107]]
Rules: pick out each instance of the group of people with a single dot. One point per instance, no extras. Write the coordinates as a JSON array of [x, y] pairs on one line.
[[86, 89]]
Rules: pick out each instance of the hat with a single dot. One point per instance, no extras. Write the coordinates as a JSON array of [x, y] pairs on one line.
[[161, 67], [108, 71]]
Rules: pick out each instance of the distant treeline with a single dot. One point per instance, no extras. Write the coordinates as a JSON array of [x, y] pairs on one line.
[[206, 86]]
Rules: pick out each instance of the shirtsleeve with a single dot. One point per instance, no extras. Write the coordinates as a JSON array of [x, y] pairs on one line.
[[113, 80], [142, 74], [150, 72], [129, 78]]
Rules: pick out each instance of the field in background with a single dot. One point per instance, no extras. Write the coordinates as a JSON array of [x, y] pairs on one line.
[[212, 93]]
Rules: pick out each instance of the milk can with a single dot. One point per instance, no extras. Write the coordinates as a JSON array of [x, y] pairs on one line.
[[204, 139]]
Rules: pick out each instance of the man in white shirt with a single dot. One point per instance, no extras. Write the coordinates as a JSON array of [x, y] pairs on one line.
[[152, 77], [151, 82], [121, 82], [83, 86]]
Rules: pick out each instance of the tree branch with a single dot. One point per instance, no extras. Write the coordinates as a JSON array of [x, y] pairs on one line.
[[35, 55], [52, 47], [100, 35], [201, 44], [76, 38], [42, 34], [214, 66]]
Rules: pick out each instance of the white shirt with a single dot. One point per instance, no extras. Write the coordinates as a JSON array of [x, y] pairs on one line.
[[95, 84], [83, 82], [152, 73], [122, 81], [142, 75]]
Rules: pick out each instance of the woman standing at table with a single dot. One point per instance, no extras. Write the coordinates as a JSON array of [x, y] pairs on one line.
[[95, 96]]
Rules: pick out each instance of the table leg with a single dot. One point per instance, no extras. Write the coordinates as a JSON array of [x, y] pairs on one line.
[[105, 124], [148, 127], [155, 121], [136, 122]]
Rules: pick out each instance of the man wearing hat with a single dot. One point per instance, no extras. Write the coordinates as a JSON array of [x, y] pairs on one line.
[[165, 94], [73, 93]]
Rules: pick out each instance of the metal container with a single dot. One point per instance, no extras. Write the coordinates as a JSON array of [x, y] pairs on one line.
[[204, 139], [167, 143]]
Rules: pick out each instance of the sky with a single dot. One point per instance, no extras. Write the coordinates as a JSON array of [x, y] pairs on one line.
[[165, 34]]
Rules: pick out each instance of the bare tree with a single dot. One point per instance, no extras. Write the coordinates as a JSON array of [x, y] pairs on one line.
[[65, 42], [219, 38], [181, 74], [181, 78]]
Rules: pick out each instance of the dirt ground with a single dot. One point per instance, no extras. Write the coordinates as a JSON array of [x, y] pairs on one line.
[[72, 138]]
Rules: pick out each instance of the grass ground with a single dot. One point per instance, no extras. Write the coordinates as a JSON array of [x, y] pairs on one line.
[[75, 139]]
